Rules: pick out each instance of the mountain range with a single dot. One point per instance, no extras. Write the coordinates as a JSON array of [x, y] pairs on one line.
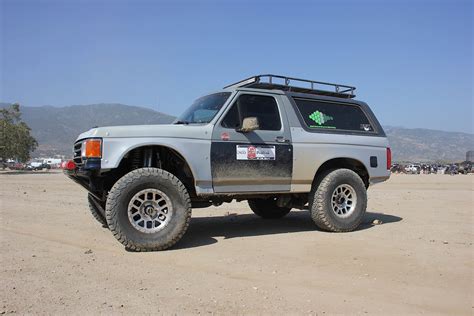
[[56, 128]]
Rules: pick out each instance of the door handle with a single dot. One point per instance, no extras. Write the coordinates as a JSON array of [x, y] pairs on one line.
[[281, 139]]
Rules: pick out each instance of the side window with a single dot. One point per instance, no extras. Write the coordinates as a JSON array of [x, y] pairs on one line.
[[328, 115], [264, 108]]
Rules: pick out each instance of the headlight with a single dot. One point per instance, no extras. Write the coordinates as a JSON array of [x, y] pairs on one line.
[[92, 148]]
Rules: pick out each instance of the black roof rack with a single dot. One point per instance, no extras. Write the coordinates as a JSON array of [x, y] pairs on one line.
[[283, 83]]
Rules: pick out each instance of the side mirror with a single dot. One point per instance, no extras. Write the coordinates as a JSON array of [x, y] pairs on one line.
[[249, 124]]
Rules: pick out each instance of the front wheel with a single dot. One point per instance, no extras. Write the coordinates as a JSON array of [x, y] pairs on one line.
[[148, 209], [267, 208], [339, 201]]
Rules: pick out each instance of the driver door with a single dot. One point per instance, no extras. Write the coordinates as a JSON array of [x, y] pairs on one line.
[[257, 161]]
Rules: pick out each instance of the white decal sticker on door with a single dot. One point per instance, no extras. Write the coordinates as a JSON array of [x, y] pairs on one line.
[[250, 152]]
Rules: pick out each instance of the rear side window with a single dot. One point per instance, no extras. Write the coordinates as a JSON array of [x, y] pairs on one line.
[[264, 108], [319, 115]]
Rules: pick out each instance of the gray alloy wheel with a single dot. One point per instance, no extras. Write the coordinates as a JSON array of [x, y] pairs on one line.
[[150, 210], [344, 200]]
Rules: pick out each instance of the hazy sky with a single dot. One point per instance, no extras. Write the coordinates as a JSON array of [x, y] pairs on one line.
[[412, 61]]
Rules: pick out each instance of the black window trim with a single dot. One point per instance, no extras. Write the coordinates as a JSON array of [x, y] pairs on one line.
[[234, 100], [374, 132]]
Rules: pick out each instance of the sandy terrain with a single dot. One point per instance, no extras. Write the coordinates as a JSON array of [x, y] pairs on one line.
[[55, 258]]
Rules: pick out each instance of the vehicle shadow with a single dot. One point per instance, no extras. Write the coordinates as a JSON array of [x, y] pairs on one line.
[[203, 230]]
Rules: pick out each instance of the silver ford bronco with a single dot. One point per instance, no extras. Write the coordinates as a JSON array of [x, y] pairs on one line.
[[275, 141]]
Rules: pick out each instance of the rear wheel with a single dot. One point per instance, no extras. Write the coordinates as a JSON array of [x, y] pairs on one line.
[[267, 208], [339, 201], [148, 209]]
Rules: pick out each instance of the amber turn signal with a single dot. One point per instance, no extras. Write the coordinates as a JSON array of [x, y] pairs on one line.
[[92, 148]]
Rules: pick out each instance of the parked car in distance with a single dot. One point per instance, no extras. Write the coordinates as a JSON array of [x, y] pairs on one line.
[[413, 169], [16, 166]]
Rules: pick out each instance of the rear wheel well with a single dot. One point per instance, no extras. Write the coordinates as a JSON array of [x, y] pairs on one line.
[[338, 163]]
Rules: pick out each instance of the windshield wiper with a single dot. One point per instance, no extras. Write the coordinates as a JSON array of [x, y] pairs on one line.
[[182, 122]]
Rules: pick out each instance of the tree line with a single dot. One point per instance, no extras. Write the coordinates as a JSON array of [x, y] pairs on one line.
[[16, 141]]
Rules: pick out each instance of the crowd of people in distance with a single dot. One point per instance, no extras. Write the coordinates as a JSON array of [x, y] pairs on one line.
[[424, 168]]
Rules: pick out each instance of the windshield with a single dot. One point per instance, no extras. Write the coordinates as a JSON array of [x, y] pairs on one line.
[[203, 109]]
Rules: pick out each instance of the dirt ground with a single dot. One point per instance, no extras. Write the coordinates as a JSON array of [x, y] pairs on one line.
[[55, 258]]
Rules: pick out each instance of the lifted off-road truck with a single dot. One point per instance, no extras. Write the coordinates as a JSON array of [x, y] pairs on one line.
[[277, 142]]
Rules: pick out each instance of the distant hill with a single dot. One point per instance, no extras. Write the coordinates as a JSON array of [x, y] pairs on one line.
[[56, 128], [418, 144]]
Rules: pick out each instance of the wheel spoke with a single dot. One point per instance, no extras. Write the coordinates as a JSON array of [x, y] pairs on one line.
[[344, 200]]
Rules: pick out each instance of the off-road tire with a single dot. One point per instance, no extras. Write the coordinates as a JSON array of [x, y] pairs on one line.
[[267, 208], [96, 211], [116, 209], [321, 195]]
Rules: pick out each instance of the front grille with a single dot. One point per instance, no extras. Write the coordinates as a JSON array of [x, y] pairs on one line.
[[77, 153]]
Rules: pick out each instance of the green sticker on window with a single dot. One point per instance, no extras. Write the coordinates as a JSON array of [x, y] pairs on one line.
[[320, 118]]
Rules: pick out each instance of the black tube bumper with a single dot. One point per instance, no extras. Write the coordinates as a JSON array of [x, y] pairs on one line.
[[88, 179]]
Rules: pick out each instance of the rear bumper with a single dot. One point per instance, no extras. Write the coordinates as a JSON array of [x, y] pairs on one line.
[[375, 180]]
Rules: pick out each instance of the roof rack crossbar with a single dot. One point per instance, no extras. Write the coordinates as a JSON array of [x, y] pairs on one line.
[[267, 81]]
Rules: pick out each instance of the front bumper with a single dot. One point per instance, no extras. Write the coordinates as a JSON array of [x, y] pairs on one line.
[[89, 179]]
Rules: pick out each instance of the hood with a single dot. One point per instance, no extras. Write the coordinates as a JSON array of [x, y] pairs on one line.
[[164, 130]]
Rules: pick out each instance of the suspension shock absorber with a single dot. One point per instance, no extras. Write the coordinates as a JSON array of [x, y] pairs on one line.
[[135, 158], [148, 157]]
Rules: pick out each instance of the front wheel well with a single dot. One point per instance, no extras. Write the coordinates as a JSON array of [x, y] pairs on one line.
[[338, 163], [153, 156]]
